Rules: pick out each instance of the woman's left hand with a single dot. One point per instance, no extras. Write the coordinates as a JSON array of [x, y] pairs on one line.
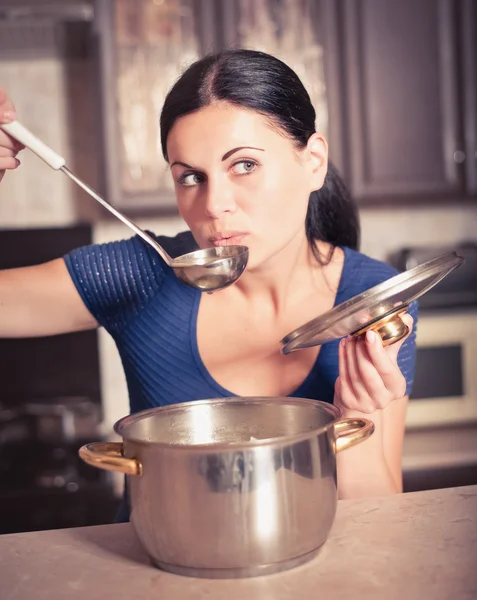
[[369, 376]]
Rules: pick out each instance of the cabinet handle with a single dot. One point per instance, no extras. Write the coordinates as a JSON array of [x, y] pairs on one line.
[[459, 156]]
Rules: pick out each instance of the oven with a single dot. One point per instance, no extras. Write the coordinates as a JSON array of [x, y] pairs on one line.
[[445, 383], [440, 444]]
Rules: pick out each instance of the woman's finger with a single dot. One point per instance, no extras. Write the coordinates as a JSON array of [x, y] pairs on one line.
[[385, 365], [8, 147], [8, 143], [357, 385], [370, 377], [353, 395], [7, 108], [8, 163]]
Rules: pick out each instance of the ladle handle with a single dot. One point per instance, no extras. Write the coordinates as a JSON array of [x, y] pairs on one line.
[[57, 162], [26, 137], [140, 232]]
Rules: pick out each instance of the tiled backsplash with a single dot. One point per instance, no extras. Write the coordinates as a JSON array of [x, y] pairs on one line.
[[34, 195], [55, 102], [37, 195]]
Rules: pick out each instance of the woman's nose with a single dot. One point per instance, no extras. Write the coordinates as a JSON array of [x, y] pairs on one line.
[[219, 199]]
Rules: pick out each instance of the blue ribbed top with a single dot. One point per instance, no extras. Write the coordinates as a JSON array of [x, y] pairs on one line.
[[152, 317]]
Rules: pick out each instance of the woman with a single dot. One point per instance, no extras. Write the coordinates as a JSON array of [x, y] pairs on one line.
[[238, 131]]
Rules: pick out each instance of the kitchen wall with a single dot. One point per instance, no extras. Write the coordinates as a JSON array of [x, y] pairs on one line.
[[56, 104]]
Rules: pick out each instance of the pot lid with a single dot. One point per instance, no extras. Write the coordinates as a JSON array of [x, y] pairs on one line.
[[373, 305]]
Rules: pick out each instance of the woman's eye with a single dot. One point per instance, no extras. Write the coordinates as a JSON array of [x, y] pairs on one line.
[[244, 166], [190, 179]]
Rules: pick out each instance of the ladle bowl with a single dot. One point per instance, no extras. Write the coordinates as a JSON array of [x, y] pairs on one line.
[[220, 268]]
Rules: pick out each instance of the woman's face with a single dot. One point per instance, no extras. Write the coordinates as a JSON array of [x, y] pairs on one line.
[[239, 180]]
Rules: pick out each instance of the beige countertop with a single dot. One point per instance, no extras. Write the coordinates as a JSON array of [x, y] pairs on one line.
[[410, 546]]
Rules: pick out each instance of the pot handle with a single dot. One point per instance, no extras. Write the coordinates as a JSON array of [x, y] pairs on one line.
[[109, 456], [349, 432]]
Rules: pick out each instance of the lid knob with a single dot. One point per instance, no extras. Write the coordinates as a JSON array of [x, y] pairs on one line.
[[390, 328]]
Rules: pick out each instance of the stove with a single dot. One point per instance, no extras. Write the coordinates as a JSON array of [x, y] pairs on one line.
[[50, 405], [43, 482]]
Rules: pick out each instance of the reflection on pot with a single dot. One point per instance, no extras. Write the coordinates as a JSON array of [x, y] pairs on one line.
[[242, 471]]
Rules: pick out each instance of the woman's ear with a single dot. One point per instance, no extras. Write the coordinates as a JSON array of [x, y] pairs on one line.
[[317, 159]]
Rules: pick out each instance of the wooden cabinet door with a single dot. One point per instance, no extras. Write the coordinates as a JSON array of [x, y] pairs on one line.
[[468, 46], [400, 82]]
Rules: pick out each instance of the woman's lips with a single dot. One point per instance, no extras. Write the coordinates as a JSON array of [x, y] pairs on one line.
[[232, 238]]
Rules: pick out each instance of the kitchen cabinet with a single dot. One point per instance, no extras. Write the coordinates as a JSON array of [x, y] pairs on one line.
[[401, 78], [142, 48]]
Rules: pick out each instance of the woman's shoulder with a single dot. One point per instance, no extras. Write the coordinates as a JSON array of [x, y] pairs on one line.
[[118, 279], [134, 248]]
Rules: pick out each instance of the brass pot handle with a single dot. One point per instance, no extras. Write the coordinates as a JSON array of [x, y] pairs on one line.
[[349, 432], [109, 456]]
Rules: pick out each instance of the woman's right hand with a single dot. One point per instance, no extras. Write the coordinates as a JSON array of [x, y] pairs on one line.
[[9, 147]]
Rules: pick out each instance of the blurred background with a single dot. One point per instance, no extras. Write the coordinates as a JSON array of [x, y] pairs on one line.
[[394, 85]]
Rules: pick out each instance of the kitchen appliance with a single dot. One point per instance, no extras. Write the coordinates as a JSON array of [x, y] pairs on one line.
[[231, 487], [43, 483], [440, 444], [445, 384], [458, 290], [50, 405], [61, 419]]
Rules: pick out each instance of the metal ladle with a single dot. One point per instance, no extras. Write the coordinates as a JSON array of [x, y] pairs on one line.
[[208, 270]]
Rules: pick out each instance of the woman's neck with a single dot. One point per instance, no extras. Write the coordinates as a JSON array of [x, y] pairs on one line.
[[285, 278]]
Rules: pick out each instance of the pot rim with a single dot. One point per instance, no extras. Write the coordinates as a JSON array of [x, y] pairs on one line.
[[128, 420]]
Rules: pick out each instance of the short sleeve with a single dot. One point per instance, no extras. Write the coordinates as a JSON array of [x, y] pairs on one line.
[[116, 280], [407, 353]]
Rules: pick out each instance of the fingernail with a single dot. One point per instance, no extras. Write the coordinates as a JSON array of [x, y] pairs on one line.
[[9, 115], [370, 336]]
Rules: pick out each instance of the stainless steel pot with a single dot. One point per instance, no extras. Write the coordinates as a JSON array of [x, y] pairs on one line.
[[231, 487]]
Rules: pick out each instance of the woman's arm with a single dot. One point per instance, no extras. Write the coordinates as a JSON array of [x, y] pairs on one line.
[[41, 300], [371, 385], [374, 468]]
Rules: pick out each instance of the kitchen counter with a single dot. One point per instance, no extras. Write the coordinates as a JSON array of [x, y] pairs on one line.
[[412, 546]]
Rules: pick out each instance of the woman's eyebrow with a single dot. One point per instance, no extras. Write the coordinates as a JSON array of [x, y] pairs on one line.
[[178, 162], [224, 157], [230, 152]]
